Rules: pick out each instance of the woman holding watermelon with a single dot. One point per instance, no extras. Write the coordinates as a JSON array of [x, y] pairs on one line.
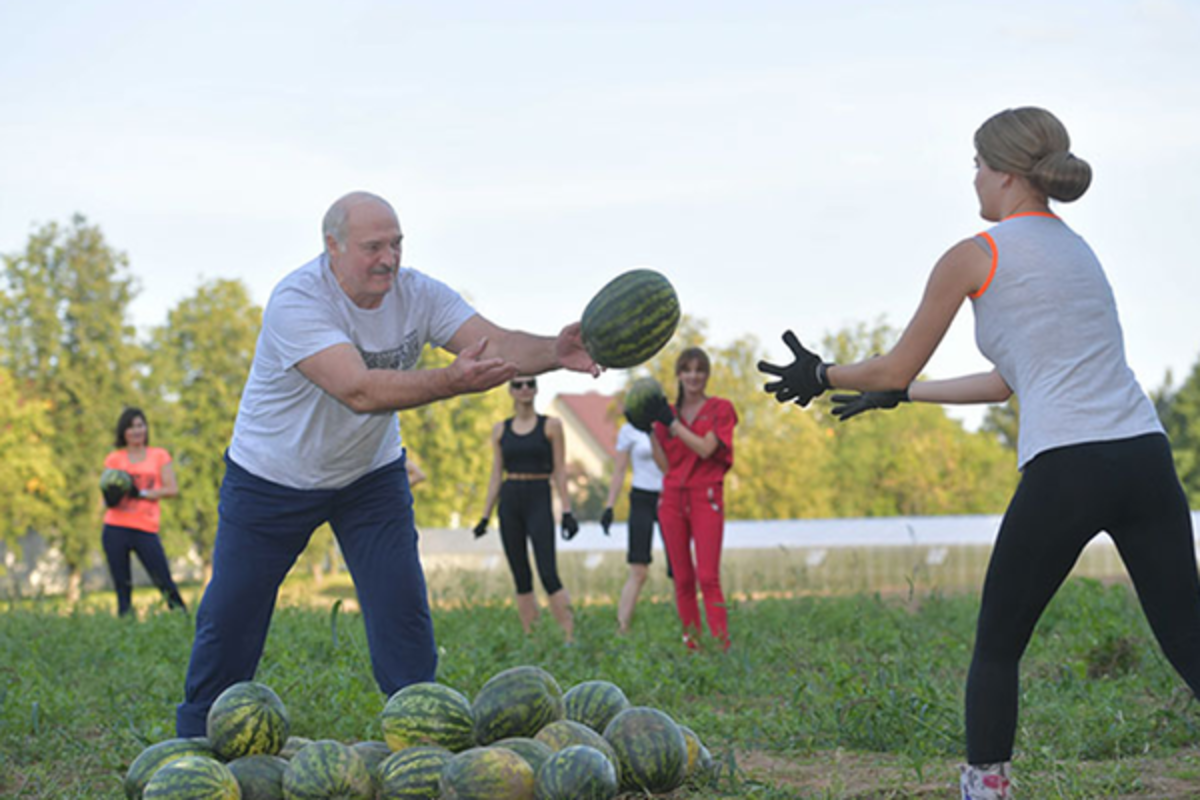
[[693, 446], [528, 455], [131, 523], [1091, 449]]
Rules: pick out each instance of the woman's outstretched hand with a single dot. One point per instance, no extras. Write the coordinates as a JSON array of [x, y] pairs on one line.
[[800, 381]]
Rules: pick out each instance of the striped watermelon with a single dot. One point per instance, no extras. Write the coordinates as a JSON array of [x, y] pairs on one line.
[[487, 773], [327, 769], [595, 703], [428, 714], [651, 750], [566, 733], [293, 745], [693, 750], [533, 751], [155, 756], [247, 719], [706, 768], [261, 776], [413, 773], [516, 702], [193, 778], [373, 753], [578, 772], [630, 319]]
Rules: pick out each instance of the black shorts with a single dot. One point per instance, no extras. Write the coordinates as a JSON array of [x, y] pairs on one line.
[[643, 513]]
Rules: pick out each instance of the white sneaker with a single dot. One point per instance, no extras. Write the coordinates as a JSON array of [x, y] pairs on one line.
[[986, 782]]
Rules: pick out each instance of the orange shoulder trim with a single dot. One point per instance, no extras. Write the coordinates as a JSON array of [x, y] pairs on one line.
[[987, 237]]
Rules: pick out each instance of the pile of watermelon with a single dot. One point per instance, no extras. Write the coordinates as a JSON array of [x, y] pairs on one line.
[[521, 738]]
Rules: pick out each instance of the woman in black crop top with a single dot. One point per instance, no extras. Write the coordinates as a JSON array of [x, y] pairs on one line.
[[529, 455]]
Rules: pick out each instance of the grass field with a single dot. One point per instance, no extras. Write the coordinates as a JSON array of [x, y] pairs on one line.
[[822, 696]]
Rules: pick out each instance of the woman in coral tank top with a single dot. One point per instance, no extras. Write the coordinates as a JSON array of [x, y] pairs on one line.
[[131, 525]]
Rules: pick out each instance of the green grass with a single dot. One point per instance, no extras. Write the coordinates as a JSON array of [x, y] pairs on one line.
[[821, 697]]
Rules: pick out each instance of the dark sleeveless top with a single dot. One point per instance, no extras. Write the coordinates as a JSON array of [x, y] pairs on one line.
[[530, 453]]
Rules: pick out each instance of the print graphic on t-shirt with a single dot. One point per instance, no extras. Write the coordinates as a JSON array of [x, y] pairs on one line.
[[403, 357]]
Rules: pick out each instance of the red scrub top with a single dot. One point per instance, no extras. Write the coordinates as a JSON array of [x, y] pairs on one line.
[[688, 470]]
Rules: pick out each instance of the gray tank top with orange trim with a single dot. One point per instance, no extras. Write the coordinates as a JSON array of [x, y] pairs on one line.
[[1048, 320]]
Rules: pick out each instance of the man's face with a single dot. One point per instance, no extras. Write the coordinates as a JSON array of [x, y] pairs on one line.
[[366, 269]]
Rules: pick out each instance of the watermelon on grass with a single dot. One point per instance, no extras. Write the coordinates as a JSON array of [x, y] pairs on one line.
[[373, 753], [630, 319], [651, 749], [327, 769], [595, 703], [516, 702], [261, 776], [428, 714], [193, 778], [487, 773], [565, 733], [247, 719], [532, 750], [413, 773], [155, 756], [578, 772], [293, 745]]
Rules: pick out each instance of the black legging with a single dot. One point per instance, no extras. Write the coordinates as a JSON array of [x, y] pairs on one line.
[[1066, 496], [526, 516], [118, 543]]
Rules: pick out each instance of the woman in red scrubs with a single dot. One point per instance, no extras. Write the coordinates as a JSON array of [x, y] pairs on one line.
[[693, 445]]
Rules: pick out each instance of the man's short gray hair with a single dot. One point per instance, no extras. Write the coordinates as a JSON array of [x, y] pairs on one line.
[[334, 224]]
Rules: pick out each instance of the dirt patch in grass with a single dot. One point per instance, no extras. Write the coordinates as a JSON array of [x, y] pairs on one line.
[[876, 776]]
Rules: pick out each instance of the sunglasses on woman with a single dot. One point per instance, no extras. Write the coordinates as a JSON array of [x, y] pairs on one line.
[[527, 384]]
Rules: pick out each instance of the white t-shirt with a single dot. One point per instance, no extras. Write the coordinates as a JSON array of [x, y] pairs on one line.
[[646, 474], [288, 430], [1048, 321]]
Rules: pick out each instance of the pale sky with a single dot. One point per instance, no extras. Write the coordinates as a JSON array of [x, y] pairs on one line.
[[786, 164]]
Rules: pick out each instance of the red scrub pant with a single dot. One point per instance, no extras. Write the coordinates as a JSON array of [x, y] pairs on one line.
[[694, 518]]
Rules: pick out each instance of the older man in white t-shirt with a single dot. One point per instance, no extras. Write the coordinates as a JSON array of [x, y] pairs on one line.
[[317, 440]]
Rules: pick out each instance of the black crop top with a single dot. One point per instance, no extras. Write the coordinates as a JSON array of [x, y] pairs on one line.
[[529, 453]]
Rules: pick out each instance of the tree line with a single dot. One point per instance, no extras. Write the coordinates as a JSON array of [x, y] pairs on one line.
[[71, 360]]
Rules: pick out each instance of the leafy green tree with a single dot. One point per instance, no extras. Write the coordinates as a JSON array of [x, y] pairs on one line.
[[33, 484], [911, 461], [66, 334], [198, 365], [1180, 412], [451, 440]]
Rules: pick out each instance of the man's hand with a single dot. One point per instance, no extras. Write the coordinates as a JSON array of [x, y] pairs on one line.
[[846, 406], [569, 526], [606, 520], [470, 373], [481, 527], [802, 380], [570, 352]]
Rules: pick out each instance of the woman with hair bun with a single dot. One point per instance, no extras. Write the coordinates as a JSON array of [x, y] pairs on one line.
[[1092, 452]]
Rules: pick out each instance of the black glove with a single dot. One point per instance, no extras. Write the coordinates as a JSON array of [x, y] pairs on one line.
[[659, 410], [644, 425], [113, 495], [846, 406], [606, 520], [802, 380], [134, 492], [569, 526], [481, 528]]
